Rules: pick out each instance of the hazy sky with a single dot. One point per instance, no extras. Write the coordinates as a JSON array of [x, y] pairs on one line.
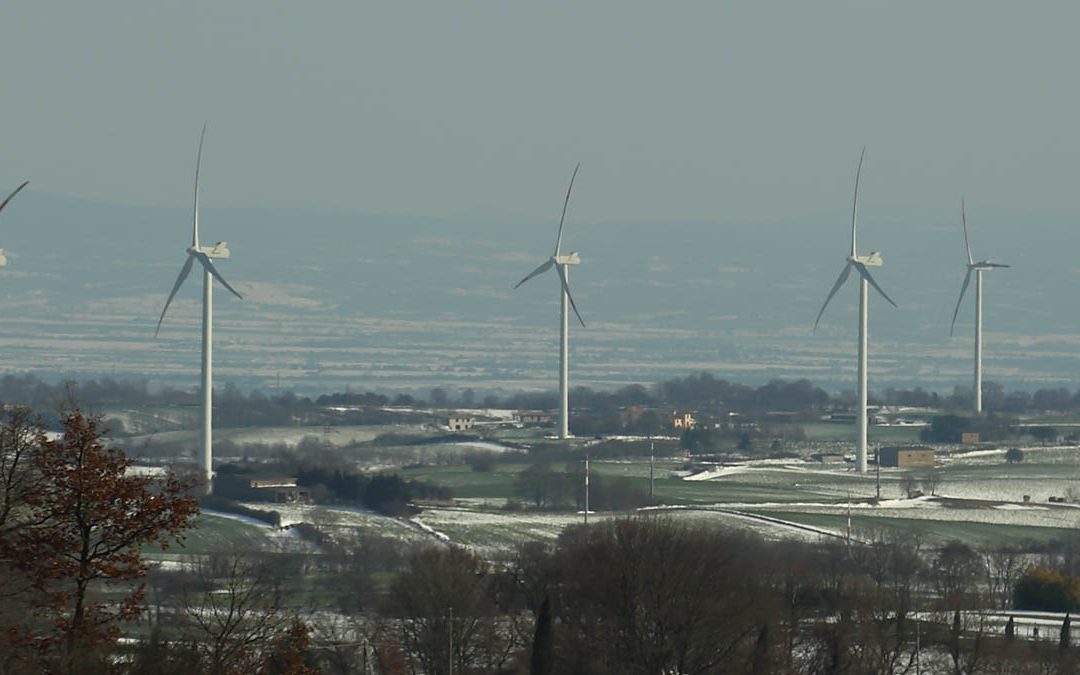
[[747, 111]]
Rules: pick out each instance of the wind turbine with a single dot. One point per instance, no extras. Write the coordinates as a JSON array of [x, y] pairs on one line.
[[861, 264], [204, 255], [978, 268], [3, 258], [560, 263]]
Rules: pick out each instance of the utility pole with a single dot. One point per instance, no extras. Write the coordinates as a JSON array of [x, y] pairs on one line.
[[918, 647], [586, 489], [450, 659], [849, 519], [652, 468], [877, 460]]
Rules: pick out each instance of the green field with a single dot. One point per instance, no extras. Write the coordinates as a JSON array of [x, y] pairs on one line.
[[468, 484], [212, 533], [831, 431]]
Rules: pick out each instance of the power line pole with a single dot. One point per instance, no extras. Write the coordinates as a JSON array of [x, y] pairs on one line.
[[586, 489], [652, 468], [877, 460], [918, 647], [849, 519], [450, 659]]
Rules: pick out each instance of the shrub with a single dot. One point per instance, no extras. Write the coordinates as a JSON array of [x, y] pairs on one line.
[[1046, 591], [481, 462]]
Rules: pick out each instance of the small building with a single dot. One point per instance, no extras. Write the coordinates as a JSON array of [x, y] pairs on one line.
[[910, 457], [684, 420], [534, 417], [460, 423], [969, 437], [280, 490]]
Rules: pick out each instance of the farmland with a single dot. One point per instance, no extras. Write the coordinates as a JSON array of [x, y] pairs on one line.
[[978, 497]]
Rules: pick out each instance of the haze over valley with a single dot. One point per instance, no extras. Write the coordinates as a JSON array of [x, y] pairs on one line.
[[335, 300]]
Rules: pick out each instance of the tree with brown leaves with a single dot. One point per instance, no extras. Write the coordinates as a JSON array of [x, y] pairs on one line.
[[83, 525]]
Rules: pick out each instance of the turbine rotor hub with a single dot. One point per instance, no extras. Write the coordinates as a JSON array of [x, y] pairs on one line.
[[872, 260], [219, 251]]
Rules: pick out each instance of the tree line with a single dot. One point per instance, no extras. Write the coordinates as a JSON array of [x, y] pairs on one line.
[[386, 493], [695, 391]]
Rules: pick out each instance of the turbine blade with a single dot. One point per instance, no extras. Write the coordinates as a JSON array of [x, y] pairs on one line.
[[179, 282], [558, 240], [836, 287], [963, 288], [963, 218], [866, 275], [855, 204], [566, 289], [539, 270], [4, 203], [195, 218], [205, 260]]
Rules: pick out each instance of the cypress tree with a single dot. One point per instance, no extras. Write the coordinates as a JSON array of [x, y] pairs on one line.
[[1063, 642], [540, 661]]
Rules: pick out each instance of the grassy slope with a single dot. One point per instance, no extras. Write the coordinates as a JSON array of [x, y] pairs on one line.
[[212, 533]]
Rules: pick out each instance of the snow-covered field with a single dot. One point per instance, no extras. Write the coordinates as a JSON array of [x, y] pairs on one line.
[[490, 531], [488, 446], [336, 436], [345, 520], [978, 497], [932, 509]]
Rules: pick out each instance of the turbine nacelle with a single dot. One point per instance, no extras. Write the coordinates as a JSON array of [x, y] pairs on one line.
[[569, 259], [219, 251], [872, 260]]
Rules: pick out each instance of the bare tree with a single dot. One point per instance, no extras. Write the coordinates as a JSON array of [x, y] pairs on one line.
[[20, 483], [653, 595], [442, 601], [234, 614], [931, 482], [908, 485], [1004, 566], [885, 610]]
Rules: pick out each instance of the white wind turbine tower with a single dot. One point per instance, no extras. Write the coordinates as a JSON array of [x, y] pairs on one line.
[[204, 255], [560, 263], [860, 263], [3, 258], [978, 268]]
